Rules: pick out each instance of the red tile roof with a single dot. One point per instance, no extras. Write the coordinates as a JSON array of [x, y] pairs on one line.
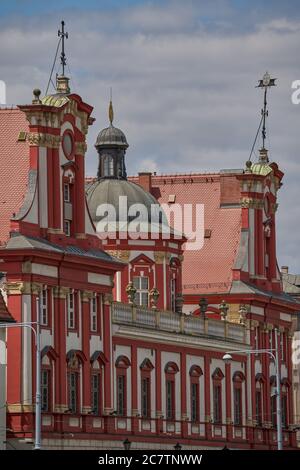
[[209, 269], [14, 166]]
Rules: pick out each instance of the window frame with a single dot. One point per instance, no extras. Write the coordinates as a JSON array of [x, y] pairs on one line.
[[73, 311], [94, 326], [44, 307], [46, 370], [96, 410], [75, 388], [140, 291]]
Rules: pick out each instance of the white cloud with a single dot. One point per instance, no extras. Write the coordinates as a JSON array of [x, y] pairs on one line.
[[183, 86]]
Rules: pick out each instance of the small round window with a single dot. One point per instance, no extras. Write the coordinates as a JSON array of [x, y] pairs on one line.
[[68, 145]]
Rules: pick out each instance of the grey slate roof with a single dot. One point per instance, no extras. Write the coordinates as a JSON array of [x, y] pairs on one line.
[[240, 287], [18, 241]]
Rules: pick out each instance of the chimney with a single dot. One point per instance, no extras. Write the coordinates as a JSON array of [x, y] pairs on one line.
[[284, 269], [145, 181]]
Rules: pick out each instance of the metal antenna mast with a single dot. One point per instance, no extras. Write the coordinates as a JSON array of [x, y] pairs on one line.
[[265, 83], [62, 34]]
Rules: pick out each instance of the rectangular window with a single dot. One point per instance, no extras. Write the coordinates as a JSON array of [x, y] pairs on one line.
[[141, 284], [237, 400], [173, 295], [121, 408], [217, 404], [145, 396], [67, 227], [258, 407], [274, 407], [257, 339], [94, 313], [71, 310], [284, 403], [194, 402], [95, 391], [45, 390], [67, 197], [44, 307], [283, 346], [170, 395], [73, 391]]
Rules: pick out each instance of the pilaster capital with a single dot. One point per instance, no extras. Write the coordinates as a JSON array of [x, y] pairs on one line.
[[159, 257], [60, 292], [86, 295], [80, 148], [254, 324], [108, 298], [17, 287], [43, 140]]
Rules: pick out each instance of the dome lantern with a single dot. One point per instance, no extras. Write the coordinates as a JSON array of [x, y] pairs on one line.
[[111, 145]]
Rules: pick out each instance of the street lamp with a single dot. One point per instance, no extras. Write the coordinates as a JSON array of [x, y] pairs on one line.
[[178, 446], [228, 357], [127, 444], [36, 332], [203, 306]]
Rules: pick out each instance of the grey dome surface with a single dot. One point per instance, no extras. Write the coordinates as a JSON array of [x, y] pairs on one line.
[[111, 137], [108, 191]]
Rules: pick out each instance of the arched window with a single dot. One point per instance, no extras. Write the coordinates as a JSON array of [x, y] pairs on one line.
[[217, 378], [238, 379], [259, 388], [285, 384], [108, 165], [75, 359], [195, 374], [171, 370], [122, 364], [146, 369], [48, 356], [98, 361]]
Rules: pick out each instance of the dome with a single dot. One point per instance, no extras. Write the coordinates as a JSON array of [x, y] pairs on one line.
[[108, 191], [111, 137]]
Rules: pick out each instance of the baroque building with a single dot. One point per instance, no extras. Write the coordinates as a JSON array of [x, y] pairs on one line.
[[126, 350]]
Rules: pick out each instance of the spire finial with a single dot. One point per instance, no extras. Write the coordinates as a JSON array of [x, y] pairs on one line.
[[111, 109], [62, 34], [62, 82], [265, 83]]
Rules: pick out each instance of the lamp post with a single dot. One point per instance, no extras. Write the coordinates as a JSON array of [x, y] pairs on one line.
[[178, 446], [127, 444], [36, 332], [227, 357], [203, 306]]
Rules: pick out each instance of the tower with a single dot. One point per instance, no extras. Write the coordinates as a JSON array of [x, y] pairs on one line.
[[111, 145]]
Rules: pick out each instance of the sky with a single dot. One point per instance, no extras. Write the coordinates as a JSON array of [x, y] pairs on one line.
[[184, 76]]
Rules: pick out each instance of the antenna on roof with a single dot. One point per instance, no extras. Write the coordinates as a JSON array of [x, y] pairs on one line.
[[264, 83], [62, 34], [62, 82]]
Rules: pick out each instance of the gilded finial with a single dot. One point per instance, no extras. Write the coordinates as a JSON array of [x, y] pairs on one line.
[[111, 113], [111, 110]]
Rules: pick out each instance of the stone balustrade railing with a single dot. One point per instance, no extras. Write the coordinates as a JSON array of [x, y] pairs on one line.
[[174, 322]]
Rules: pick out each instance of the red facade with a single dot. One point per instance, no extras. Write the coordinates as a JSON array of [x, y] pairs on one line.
[[150, 370]]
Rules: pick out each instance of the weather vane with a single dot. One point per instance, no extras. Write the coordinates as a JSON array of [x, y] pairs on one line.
[[265, 83], [62, 34]]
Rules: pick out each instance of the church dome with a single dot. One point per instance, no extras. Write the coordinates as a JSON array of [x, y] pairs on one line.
[[111, 137], [109, 191]]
